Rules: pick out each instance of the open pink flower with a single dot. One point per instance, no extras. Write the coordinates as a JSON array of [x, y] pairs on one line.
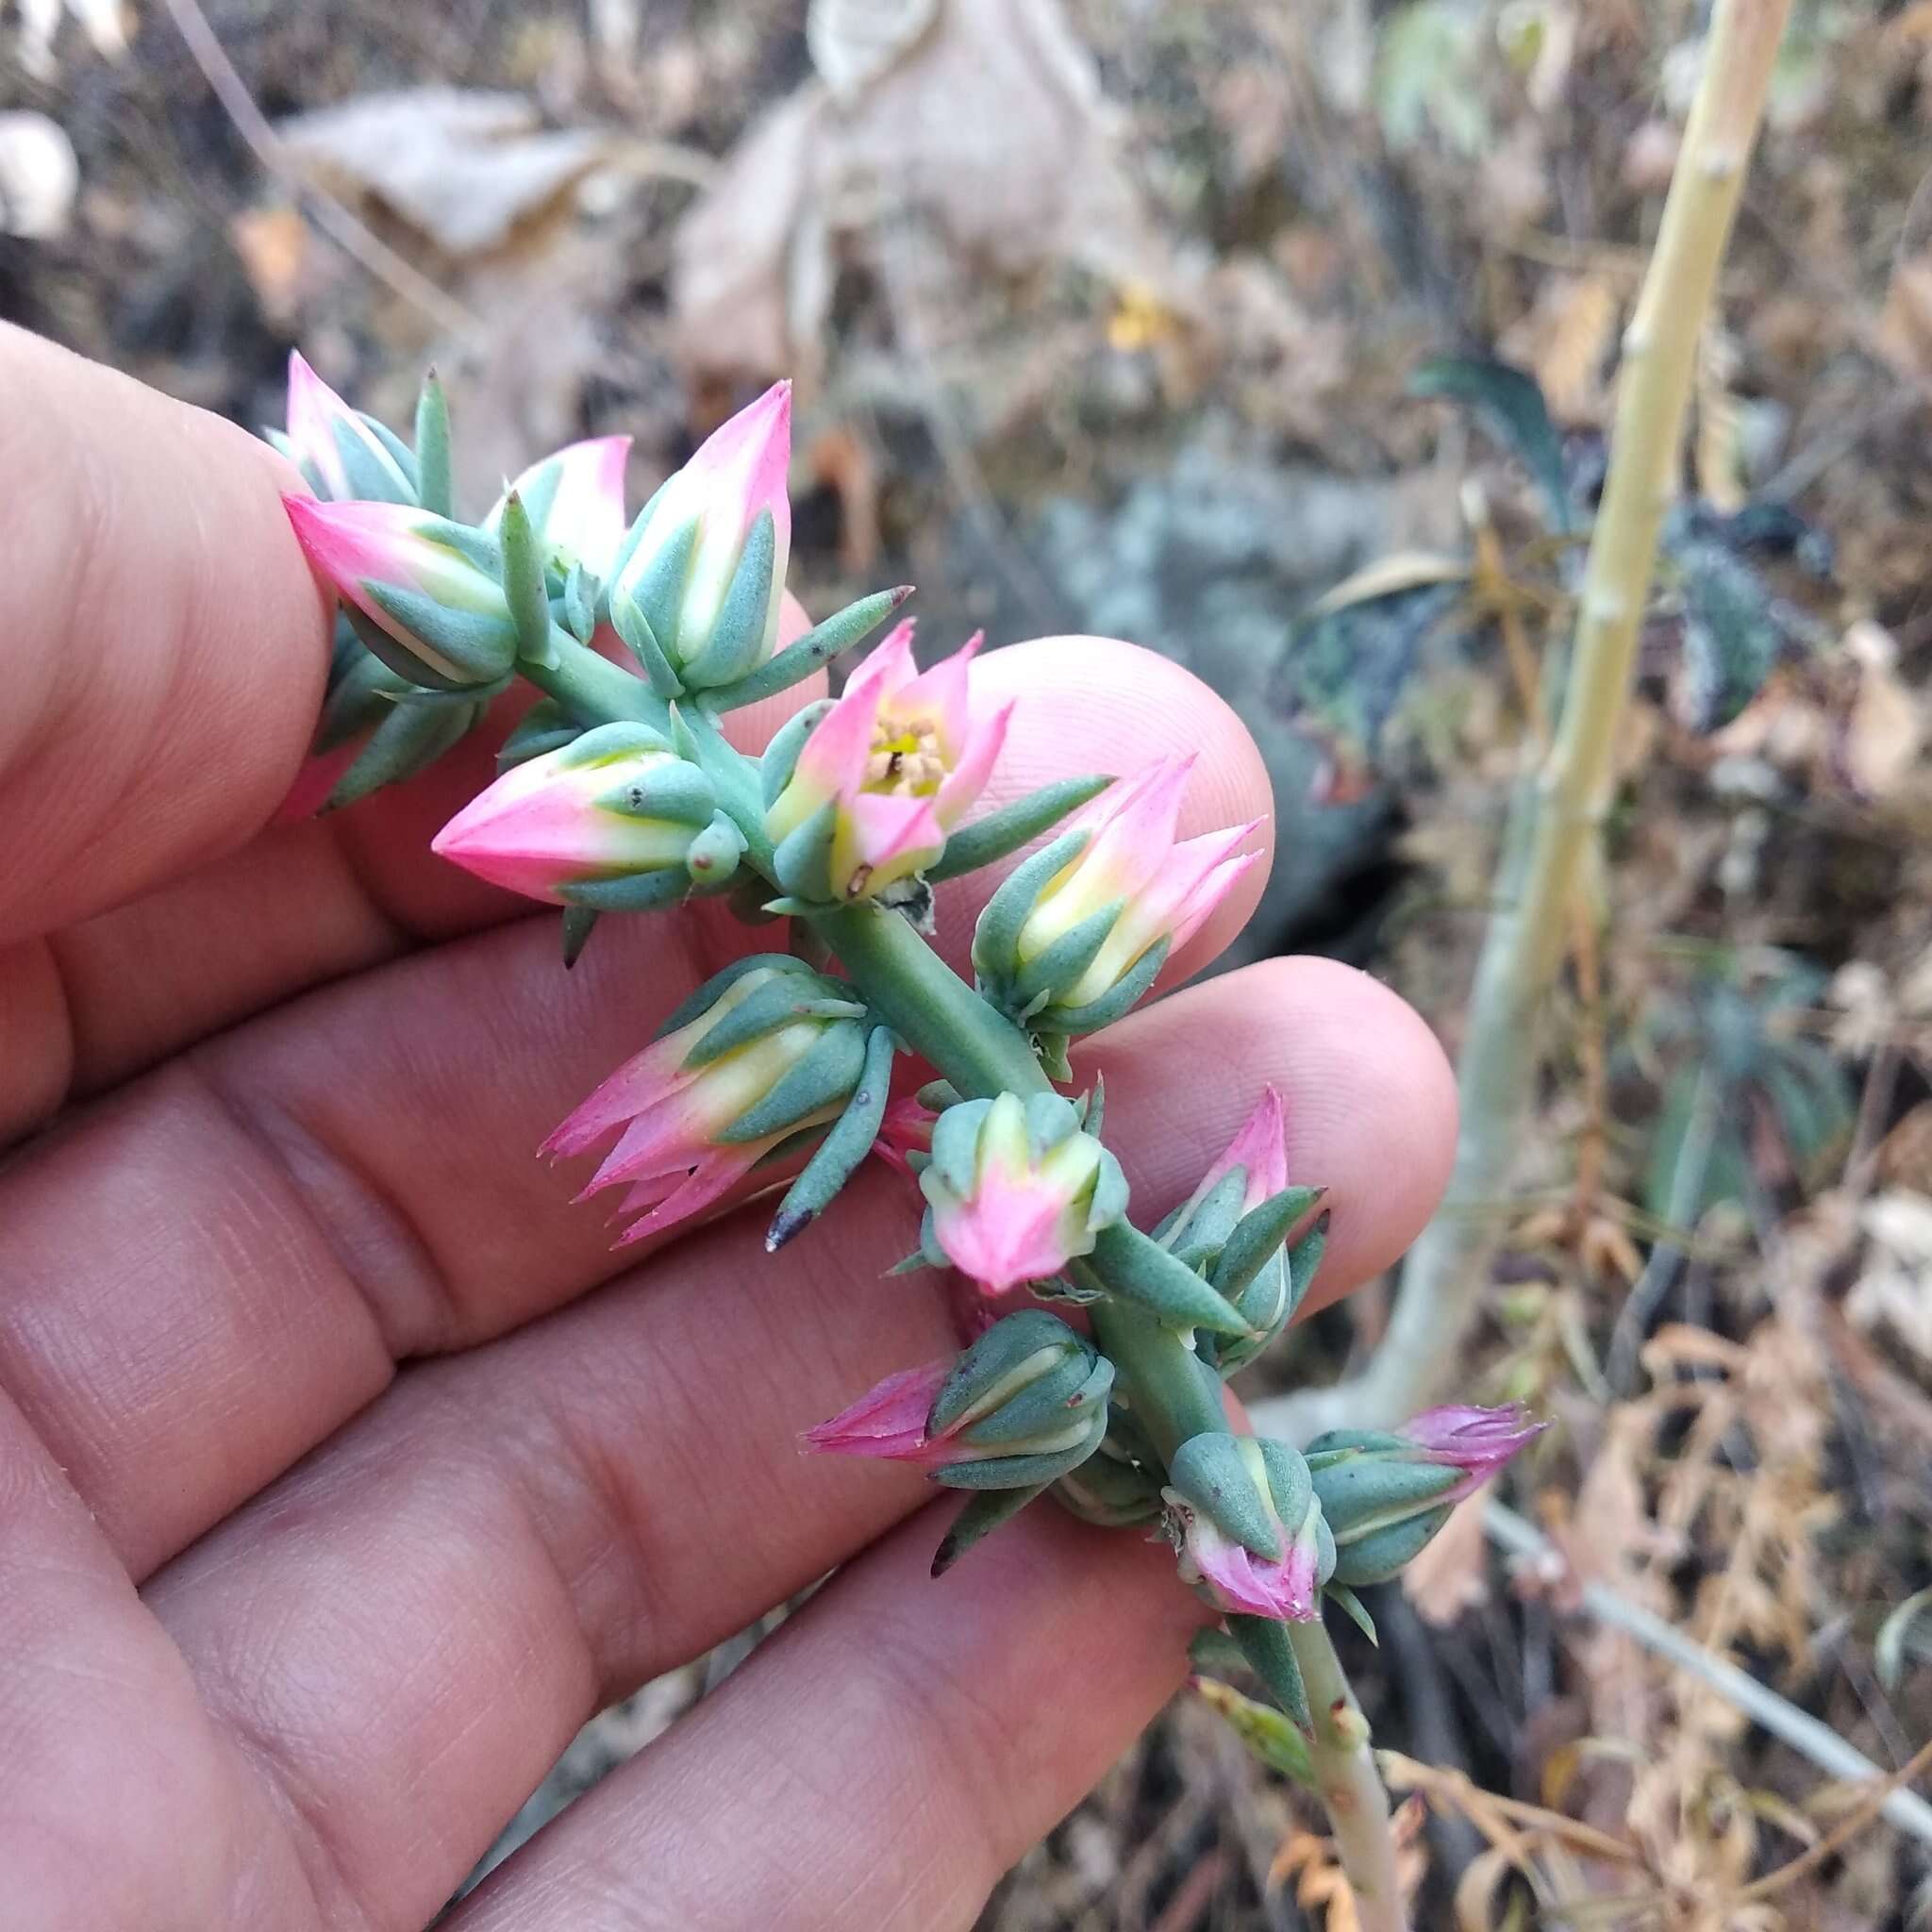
[[1477, 1441], [684, 1141], [335, 446], [689, 544], [1015, 1190], [575, 499], [613, 803], [1165, 888], [1233, 1577], [432, 601], [899, 759]]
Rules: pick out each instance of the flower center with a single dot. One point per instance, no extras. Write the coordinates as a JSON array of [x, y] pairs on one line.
[[905, 759]]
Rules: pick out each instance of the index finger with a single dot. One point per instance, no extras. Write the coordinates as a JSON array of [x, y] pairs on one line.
[[162, 643]]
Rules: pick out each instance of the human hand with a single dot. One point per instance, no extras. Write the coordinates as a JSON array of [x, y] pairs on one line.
[[343, 1472]]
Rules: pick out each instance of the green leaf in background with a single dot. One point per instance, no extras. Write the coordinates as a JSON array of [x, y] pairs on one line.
[[1511, 406], [1350, 658], [1732, 637]]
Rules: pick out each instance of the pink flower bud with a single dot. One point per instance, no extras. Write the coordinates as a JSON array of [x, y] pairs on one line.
[[575, 503], [899, 761], [320, 425], [1030, 1394], [1015, 1190], [1235, 1578], [1260, 1147], [689, 546], [695, 1121], [889, 1420], [614, 804], [1477, 1441], [427, 589], [1165, 888]]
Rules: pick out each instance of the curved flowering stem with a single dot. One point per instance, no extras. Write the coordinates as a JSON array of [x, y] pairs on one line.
[[1350, 1786]]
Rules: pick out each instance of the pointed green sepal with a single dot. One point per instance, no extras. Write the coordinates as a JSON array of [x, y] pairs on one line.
[[545, 726], [1063, 963], [738, 637], [823, 1076], [634, 628], [1134, 1266], [798, 659], [643, 892], [668, 789], [1353, 1610], [1271, 1657], [996, 938], [1131, 988], [1211, 1471], [577, 923], [577, 608], [843, 1148], [435, 490], [370, 480], [779, 1001], [1258, 1236], [479, 647], [1003, 832], [983, 1514], [802, 863], [416, 733], [781, 755]]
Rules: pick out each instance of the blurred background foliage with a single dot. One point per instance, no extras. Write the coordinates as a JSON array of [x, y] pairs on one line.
[[1279, 340]]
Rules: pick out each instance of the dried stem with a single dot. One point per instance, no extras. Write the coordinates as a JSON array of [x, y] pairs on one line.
[[1758, 1702], [1555, 823], [1349, 1784]]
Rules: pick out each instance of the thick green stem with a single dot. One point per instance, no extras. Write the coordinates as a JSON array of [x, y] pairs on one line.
[[929, 1006], [1556, 821], [1350, 1786], [1170, 1389], [591, 689]]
